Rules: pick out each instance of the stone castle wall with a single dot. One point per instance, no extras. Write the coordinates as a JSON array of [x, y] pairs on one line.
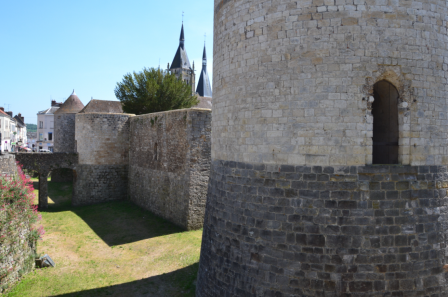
[[169, 164], [291, 79], [293, 206], [102, 141], [64, 142], [282, 230], [64, 133], [8, 166]]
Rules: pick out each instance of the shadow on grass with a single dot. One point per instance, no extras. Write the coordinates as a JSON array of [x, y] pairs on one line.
[[116, 222], [177, 283]]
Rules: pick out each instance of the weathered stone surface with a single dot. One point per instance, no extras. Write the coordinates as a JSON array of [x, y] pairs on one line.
[[64, 133], [293, 80], [273, 230], [169, 164], [103, 147], [99, 183], [8, 166]]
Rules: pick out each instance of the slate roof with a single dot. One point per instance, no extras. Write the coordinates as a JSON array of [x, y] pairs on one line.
[[19, 121], [103, 106], [71, 105], [181, 58], [50, 110], [204, 88]]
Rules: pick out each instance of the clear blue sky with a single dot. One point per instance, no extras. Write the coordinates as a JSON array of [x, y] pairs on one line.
[[49, 48]]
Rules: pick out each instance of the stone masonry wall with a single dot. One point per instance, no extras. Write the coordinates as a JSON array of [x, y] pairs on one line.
[[19, 252], [99, 183], [169, 162], [292, 79], [64, 133], [103, 147], [8, 166], [282, 230]]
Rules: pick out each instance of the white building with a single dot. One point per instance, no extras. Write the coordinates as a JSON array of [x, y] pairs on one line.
[[21, 132], [5, 131], [45, 127]]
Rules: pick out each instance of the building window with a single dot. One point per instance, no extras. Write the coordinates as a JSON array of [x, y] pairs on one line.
[[41, 125], [41, 136], [385, 123], [52, 125], [50, 136]]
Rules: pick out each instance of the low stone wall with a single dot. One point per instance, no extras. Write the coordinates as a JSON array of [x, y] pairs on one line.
[[20, 257], [169, 164], [8, 166], [99, 183], [286, 230], [16, 248]]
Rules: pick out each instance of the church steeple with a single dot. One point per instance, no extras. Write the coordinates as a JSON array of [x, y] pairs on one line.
[[204, 59], [182, 37], [204, 89], [181, 64]]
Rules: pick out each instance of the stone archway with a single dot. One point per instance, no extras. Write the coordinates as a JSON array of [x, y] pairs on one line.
[[43, 163], [385, 123]]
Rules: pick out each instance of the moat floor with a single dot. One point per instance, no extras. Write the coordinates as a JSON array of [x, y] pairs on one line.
[[111, 249]]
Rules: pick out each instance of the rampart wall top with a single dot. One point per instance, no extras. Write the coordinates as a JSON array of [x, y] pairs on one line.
[[102, 138], [293, 79]]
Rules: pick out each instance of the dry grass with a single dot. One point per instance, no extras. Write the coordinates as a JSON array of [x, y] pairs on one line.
[[111, 249]]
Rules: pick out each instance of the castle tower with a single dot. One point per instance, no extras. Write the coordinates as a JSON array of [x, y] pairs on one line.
[[329, 150], [204, 89], [64, 124], [181, 65]]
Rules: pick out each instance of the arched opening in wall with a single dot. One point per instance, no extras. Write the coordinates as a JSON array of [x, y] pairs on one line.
[[385, 123], [59, 188]]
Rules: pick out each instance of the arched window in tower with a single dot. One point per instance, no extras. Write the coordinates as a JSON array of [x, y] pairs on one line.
[[385, 123], [155, 152]]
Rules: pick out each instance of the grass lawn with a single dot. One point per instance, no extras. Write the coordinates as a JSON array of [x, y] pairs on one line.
[[111, 249]]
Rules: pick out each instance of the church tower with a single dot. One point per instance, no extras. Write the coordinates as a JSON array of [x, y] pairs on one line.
[[181, 65], [204, 89]]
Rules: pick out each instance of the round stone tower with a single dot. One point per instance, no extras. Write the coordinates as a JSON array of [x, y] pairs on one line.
[[103, 152], [64, 136], [64, 124], [329, 155]]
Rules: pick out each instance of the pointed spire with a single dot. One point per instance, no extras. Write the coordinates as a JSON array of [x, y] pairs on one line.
[[204, 89], [182, 37], [74, 92], [204, 59]]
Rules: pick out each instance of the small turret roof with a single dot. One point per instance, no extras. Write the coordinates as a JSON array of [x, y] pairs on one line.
[[71, 105]]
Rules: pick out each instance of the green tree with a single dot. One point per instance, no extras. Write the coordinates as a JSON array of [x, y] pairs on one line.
[[153, 90]]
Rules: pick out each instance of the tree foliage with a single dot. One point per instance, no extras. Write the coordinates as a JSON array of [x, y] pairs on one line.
[[153, 90]]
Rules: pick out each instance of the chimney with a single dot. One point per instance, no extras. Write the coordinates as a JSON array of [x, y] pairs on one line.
[[21, 118], [2, 109], [10, 113]]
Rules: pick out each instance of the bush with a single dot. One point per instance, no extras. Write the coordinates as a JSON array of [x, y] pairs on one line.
[[19, 230]]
